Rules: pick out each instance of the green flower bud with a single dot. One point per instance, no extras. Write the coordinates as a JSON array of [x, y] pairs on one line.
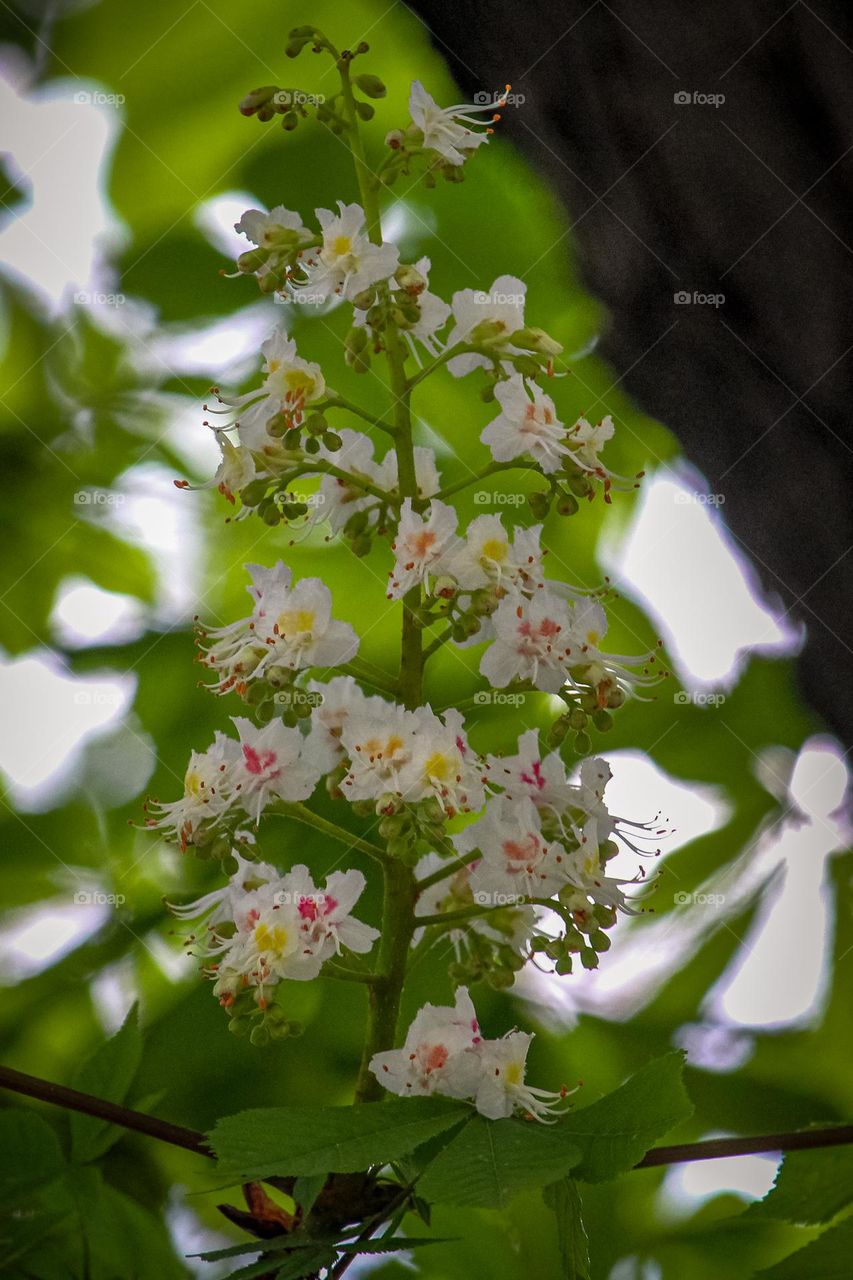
[[567, 505], [289, 121], [410, 279], [579, 484], [356, 340], [530, 339], [260, 1036], [278, 425], [563, 966], [254, 493], [252, 260], [589, 958], [582, 744], [602, 720], [257, 98], [599, 941], [487, 392], [488, 331], [526, 365], [539, 503], [370, 85], [615, 698], [257, 692], [365, 111], [332, 441], [312, 445], [577, 718], [364, 300]]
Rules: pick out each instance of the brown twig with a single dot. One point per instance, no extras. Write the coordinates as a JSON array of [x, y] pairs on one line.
[[191, 1140], [74, 1100]]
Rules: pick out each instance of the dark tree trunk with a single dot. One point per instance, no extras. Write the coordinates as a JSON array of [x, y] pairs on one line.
[[749, 198]]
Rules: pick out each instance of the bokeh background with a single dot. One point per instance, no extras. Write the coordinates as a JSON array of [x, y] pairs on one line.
[[125, 165]]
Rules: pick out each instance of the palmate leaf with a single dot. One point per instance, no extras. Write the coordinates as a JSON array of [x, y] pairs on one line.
[[30, 1155], [306, 1257], [311, 1140], [827, 1258], [490, 1161], [564, 1198], [109, 1074], [617, 1131], [810, 1187]]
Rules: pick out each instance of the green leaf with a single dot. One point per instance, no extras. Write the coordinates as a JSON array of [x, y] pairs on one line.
[[109, 1074], [827, 1258], [30, 1155], [810, 1187], [617, 1131], [305, 1262], [122, 1238], [302, 1141], [307, 1189], [490, 1161], [564, 1198]]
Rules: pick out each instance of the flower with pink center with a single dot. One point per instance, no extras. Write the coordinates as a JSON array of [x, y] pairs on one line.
[[326, 922], [532, 642], [421, 546], [438, 1056], [528, 424], [528, 774], [271, 766], [517, 860]]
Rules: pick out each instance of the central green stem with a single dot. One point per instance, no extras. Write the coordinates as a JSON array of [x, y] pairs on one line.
[[399, 885]]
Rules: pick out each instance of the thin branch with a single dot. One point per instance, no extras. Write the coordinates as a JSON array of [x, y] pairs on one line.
[[74, 1100], [711, 1149]]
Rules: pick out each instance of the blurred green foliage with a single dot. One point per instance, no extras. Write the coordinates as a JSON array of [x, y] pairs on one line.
[[79, 412]]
